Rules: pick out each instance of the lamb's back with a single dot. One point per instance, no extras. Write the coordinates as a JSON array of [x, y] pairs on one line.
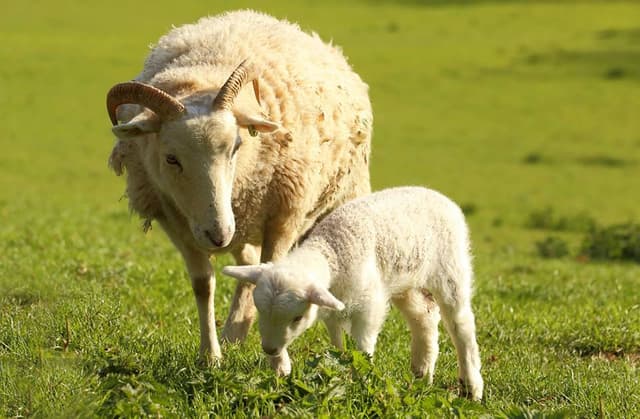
[[406, 230]]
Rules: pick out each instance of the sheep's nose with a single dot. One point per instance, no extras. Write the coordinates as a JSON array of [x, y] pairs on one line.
[[215, 241], [269, 351]]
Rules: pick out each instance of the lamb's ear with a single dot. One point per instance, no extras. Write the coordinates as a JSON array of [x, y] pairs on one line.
[[324, 298], [137, 126], [248, 273]]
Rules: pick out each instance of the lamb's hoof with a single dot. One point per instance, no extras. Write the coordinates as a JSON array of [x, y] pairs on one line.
[[281, 365], [423, 375], [421, 370], [470, 391], [418, 371], [283, 371]]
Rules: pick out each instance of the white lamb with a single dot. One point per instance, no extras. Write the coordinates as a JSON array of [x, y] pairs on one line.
[[409, 245]]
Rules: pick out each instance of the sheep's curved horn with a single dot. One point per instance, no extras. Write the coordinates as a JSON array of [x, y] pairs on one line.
[[230, 89], [162, 103]]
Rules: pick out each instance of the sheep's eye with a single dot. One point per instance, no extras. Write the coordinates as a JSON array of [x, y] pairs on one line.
[[297, 319], [171, 159], [236, 145]]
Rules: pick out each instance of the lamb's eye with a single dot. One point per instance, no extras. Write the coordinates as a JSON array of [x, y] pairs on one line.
[[297, 319], [171, 159], [236, 145]]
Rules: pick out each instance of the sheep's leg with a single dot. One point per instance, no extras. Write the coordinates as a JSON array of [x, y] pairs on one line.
[[278, 241], [203, 283], [460, 324], [243, 311], [422, 315], [276, 244]]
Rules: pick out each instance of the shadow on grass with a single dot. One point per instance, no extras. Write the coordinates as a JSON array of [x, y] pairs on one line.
[[444, 3], [596, 160], [604, 161], [617, 57], [608, 354], [610, 64], [632, 358], [22, 298], [629, 35]]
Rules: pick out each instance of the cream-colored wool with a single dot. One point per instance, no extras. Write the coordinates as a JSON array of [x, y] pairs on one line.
[[407, 245], [314, 125]]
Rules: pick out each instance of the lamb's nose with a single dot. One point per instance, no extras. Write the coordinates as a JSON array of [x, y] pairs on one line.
[[269, 351]]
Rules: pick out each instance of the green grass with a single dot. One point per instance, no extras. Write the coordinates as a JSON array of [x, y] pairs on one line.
[[509, 107]]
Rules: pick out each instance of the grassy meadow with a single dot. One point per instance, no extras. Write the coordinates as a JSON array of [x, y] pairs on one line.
[[527, 113]]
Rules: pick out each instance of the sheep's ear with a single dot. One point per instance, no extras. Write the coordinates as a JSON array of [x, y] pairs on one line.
[[255, 122], [248, 273], [136, 127], [250, 116], [323, 298], [256, 90]]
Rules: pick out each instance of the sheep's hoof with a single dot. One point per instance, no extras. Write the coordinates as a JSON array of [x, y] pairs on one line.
[[208, 360], [236, 332]]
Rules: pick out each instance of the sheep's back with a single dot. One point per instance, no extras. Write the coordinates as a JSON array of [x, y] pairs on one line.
[[306, 85]]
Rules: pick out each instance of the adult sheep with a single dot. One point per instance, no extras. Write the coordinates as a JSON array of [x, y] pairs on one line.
[[224, 168]]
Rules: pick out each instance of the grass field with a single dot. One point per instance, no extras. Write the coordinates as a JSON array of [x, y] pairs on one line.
[[509, 107]]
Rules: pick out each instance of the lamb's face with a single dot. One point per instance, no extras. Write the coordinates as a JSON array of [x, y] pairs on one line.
[[284, 312], [287, 301]]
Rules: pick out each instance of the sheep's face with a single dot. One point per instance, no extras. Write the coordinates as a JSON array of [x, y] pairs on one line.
[[192, 161], [195, 161]]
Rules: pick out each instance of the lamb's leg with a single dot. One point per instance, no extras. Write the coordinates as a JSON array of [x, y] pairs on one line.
[[422, 315], [367, 323], [242, 311], [281, 363], [203, 283], [460, 324], [335, 327]]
